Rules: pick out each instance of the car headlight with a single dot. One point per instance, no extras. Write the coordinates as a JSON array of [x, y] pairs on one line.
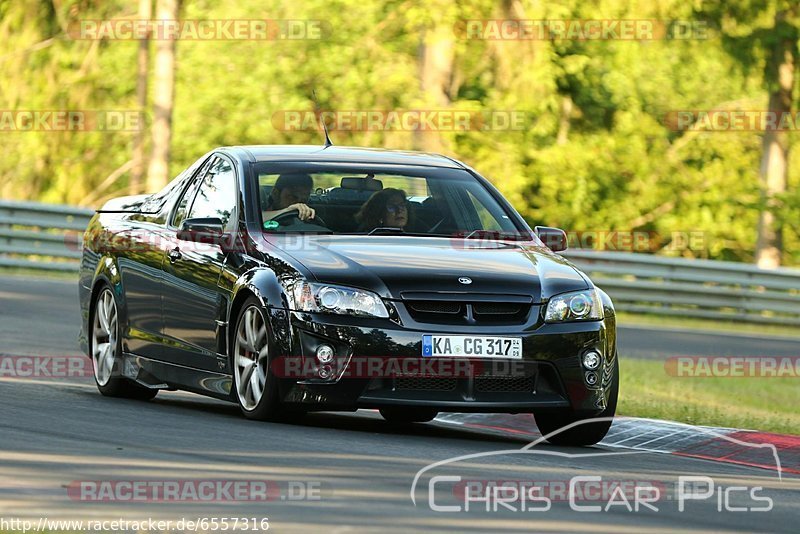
[[325, 298], [577, 306]]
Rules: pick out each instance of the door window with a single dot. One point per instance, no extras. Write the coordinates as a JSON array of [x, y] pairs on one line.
[[217, 194], [182, 207]]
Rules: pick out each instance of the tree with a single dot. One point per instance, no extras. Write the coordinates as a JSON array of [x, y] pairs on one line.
[[163, 98], [435, 70], [142, 67], [749, 40], [780, 76]]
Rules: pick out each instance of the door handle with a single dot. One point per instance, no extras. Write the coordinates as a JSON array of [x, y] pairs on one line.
[[174, 255]]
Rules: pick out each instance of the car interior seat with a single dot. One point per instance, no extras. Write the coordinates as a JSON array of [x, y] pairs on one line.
[[345, 201]]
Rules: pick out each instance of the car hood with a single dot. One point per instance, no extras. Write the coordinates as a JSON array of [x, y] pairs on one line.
[[396, 265]]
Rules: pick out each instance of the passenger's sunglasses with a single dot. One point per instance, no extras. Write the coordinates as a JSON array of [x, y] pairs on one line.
[[394, 208]]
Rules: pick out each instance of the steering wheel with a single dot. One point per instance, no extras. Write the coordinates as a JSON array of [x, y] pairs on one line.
[[295, 214]]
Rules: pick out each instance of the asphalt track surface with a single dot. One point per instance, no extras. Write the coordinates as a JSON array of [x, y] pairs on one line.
[[332, 472]]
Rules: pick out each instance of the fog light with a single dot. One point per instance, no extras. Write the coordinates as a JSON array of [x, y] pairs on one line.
[[325, 372], [591, 378], [325, 354], [591, 360]]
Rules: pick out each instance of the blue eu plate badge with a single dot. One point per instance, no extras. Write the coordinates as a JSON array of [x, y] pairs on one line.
[[427, 345]]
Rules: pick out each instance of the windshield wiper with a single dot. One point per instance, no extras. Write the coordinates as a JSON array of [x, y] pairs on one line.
[[392, 230], [499, 236], [395, 231], [387, 230]]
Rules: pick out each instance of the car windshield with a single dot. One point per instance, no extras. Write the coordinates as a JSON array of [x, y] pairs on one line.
[[378, 201]]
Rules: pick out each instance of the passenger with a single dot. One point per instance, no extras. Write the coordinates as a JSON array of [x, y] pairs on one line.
[[387, 208], [290, 192]]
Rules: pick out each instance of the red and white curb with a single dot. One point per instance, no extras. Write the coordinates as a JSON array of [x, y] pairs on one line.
[[776, 452]]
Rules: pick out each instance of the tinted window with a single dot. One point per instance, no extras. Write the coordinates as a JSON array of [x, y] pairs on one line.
[[438, 202], [217, 194], [183, 204], [157, 201], [491, 217]]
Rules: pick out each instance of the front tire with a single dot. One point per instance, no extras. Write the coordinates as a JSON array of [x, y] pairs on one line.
[[106, 351], [255, 386], [586, 433]]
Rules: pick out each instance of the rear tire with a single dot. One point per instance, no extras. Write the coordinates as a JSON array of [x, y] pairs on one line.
[[404, 416], [105, 347], [584, 434]]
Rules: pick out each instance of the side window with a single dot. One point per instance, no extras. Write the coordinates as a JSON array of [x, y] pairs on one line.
[[182, 207], [488, 221], [490, 214], [217, 194]]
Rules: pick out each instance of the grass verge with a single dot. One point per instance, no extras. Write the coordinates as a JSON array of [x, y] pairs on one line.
[[38, 273], [766, 404], [666, 321]]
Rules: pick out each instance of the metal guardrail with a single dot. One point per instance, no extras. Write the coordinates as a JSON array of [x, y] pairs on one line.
[[48, 236], [41, 236], [642, 283]]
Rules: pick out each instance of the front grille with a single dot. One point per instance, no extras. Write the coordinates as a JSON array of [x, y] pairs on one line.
[[426, 384], [467, 313], [435, 306], [497, 308], [505, 384]]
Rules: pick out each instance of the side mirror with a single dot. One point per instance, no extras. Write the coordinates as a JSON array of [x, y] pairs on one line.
[[553, 238], [202, 230]]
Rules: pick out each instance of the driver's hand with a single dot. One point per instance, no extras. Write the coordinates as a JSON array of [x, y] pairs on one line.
[[305, 213]]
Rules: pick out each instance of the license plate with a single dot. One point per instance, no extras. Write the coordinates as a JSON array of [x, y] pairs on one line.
[[472, 346]]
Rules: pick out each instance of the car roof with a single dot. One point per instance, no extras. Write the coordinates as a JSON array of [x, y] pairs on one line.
[[339, 154]]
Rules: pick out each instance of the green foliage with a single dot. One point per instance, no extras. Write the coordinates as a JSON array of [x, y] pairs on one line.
[[607, 161]]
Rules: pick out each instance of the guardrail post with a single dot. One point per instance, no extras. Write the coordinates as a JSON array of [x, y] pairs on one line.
[[5, 238]]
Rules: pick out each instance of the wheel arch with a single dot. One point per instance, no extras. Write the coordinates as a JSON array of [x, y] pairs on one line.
[[262, 284], [107, 274]]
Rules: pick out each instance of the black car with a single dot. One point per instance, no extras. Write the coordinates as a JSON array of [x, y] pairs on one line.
[[462, 308]]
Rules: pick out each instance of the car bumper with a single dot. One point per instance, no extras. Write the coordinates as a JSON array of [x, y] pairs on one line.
[[550, 374]]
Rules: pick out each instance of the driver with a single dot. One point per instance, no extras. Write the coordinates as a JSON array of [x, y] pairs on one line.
[[289, 193]]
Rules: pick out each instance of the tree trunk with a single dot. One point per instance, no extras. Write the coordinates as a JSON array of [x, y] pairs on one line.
[[142, 65], [163, 99], [435, 71], [774, 161], [564, 120]]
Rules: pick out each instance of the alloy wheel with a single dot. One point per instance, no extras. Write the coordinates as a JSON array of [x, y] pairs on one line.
[[104, 337], [251, 358]]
